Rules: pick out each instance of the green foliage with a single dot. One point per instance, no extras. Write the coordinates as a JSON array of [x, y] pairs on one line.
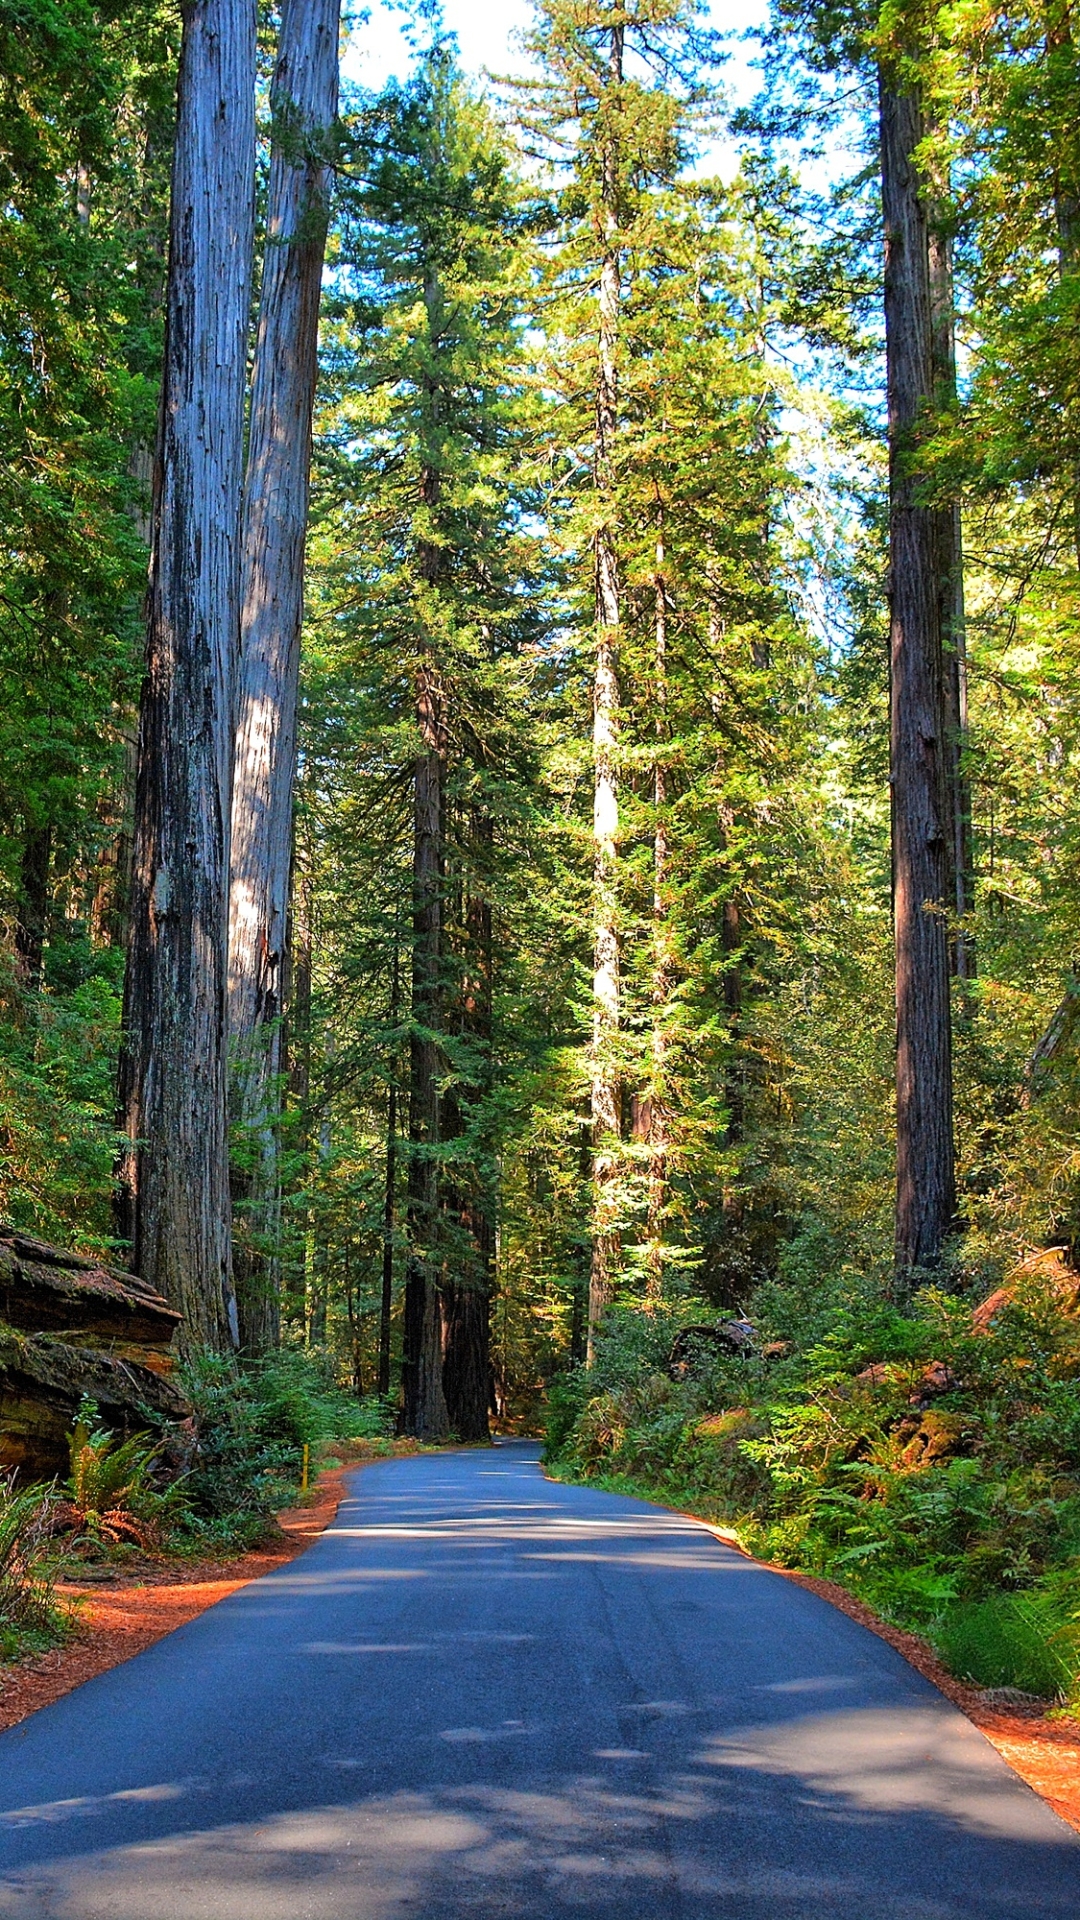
[[253, 1420], [1013, 1640], [927, 1461], [29, 1619], [114, 1494]]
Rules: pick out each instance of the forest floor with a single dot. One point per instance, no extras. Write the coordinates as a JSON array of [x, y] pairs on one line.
[[116, 1618]]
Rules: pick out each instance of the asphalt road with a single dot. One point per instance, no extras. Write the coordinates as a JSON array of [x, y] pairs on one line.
[[482, 1695]]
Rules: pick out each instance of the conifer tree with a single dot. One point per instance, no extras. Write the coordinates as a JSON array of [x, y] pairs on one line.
[[611, 104], [426, 408], [174, 1182], [304, 105]]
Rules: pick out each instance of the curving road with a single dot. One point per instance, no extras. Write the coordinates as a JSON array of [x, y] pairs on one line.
[[481, 1695]]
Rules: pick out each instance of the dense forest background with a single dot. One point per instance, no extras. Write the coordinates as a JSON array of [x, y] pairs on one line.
[[589, 982]]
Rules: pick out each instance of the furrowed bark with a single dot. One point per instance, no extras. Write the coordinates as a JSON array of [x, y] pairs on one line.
[[387, 1296], [605, 1085], [661, 987], [304, 100], [950, 535], [422, 1356], [925, 1180], [1059, 45], [469, 1284], [174, 1192]]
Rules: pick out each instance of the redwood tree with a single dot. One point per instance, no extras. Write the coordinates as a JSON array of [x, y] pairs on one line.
[[925, 1183], [304, 101], [174, 1201]]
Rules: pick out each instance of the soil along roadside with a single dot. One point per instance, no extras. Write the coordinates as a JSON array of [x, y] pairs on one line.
[[119, 1618]]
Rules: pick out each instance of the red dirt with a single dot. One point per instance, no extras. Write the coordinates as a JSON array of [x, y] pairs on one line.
[[119, 1618]]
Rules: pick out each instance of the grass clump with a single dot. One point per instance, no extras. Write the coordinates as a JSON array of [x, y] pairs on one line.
[[29, 1617]]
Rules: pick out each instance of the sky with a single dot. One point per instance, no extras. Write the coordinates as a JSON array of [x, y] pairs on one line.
[[486, 32]]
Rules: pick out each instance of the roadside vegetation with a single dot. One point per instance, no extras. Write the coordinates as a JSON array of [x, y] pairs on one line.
[[206, 1489], [929, 1460]]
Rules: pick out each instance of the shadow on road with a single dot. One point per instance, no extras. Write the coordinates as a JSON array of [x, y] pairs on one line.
[[482, 1695]]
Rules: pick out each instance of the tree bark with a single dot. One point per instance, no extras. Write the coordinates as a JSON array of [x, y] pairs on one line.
[[174, 1173], [469, 1287], [605, 1079], [925, 1179], [422, 1356], [661, 985], [387, 1298], [1059, 42], [304, 102], [950, 535], [31, 925]]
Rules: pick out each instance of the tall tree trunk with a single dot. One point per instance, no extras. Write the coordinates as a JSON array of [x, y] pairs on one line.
[[304, 102], [174, 1173], [661, 985], [1059, 44], [468, 1289], [387, 1298], [950, 535], [606, 1101], [925, 1180], [422, 1356]]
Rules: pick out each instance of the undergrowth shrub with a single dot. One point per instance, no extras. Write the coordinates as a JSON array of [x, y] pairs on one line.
[[29, 1617], [928, 1459], [253, 1420], [114, 1494]]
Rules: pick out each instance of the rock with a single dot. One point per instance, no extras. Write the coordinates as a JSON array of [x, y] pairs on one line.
[[1012, 1700], [691, 1345], [68, 1327]]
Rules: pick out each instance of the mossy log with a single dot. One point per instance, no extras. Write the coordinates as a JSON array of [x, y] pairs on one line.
[[68, 1327]]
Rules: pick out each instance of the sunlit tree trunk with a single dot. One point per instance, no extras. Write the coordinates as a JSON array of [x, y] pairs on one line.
[[606, 1116], [174, 1172], [925, 1192], [661, 986], [304, 101]]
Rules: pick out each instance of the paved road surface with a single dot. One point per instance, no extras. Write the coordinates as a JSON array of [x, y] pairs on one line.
[[480, 1695]]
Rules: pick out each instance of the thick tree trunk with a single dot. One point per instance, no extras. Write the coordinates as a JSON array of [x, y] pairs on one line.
[[961, 864], [925, 1190], [389, 1196], [1059, 46], [605, 1078], [174, 1174], [422, 1357], [304, 101]]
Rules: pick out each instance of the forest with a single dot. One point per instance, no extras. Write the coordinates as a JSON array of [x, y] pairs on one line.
[[540, 662]]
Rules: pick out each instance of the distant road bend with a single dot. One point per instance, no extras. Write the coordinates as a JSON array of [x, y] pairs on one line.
[[481, 1695]]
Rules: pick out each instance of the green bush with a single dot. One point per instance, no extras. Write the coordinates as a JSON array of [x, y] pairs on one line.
[[253, 1420], [1010, 1640], [113, 1493], [29, 1618], [928, 1460]]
